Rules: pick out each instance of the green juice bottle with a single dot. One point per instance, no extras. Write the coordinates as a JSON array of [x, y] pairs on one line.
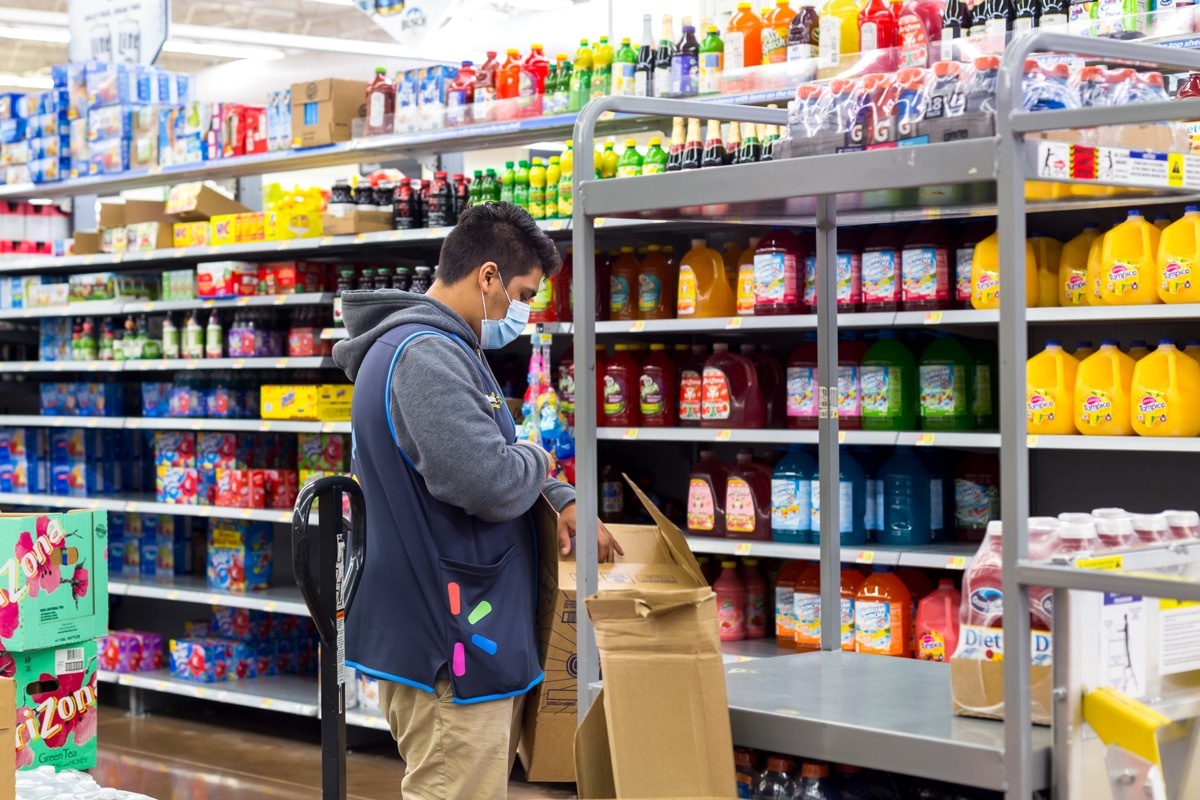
[[537, 190], [508, 180], [630, 163], [889, 386], [521, 184], [655, 160]]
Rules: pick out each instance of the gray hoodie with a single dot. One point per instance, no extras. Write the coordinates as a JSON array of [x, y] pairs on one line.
[[442, 412]]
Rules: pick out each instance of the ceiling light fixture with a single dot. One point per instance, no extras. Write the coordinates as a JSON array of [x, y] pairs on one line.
[[217, 50], [12, 80], [51, 35], [346, 3]]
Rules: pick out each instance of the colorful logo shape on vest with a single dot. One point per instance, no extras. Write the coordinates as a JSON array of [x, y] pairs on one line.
[[481, 610]]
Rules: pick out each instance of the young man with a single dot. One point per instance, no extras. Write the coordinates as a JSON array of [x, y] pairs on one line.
[[444, 615]]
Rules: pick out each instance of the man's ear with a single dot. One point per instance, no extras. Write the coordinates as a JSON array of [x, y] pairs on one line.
[[487, 272]]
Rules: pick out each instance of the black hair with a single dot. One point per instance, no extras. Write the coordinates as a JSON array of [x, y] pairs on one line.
[[499, 232]]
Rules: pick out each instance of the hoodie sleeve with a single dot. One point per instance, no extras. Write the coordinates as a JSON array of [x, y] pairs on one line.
[[443, 422]]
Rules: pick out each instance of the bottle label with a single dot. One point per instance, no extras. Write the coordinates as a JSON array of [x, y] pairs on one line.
[[1095, 407], [686, 304], [685, 74], [651, 396], [808, 618], [963, 258], [711, 65], [943, 390], [877, 628], [974, 504], [1122, 278], [924, 274], [614, 396], [1040, 406], [756, 613], [375, 110], [845, 507], [801, 392], [987, 289], [623, 78], [745, 289], [790, 504], [829, 44], [847, 620], [735, 50], [868, 36], [871, 519], [775, 278], [981, 398], [691, 389], [566, 195], [801, 52], [1151, 408], [629, 170], [740, 515], [937, 519], [701, 510], [881, 391], [849, 279], [543, 299], [641, 82], [537, 202], [879, 276], [774, 46], [715, 403], [931, 646], [731, 617], [810, 281], [612, 498], [849, 392], [649, 292], [785, 612], [619, 297], [653, 167], [1075, 288], [913, 41]]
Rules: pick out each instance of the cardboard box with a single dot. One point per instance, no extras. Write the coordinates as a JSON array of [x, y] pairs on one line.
[[357, 222], [324, 402], [661, 726], [112, 215], [137, 211], [8, 760], [190, 234], [323, 111], [977, 674], [282, 225], [55, 691], [87, 243], [195, 202]]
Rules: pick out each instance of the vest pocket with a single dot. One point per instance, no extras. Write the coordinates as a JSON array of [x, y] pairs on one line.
[[488, 647]]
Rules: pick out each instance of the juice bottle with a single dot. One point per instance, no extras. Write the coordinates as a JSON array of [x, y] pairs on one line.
[[1050, 390], [581, 77], [663, 59], [1116, 531], [731, 603], [714, 148], [803, 35], [1192, 349], [602, 59], [839, 31], [791, 501], [508, 85], [877, 32], [1073, 267], [624, 68], [802, 384], [881, 269], [778, 274], [937, 622], [976, 496], [607, 160], [1047, 251], [906, 497], [1103, 382], [566, 186], [919, 32], [521, 184], [772, 383], [785, 612], [851, 580], [655, 161], [849, 273], [623, 280], [748, 499], [630, 163], [381, 104], [1094, 269], [1138, 349], [926, 281], [964, 256], [712, 63], [656, 284], [485, 88], [776, 25], [1166, 393], [703, 288], [944, 385], [685, 64], [460, 95], [657, 390], [1184, 526], [691, 386], [621, 376], [1128, 268], [883, 615], [1151, 528], [806, 600], [983, 385], [743, 39], [852, 502], [532, 91], [706, 496], [985, 274], [851, 350], [941, 495], [612, 493], [558, 85], [537, 190], [692, 155], [643, 81], [744, 280], [561, 290], [889, 386], [508, 182], [730, 393], [1178, 252], [756, 599], [553, 175]]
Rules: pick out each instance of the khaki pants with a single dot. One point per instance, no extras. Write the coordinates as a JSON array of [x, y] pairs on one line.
[[452, 751]]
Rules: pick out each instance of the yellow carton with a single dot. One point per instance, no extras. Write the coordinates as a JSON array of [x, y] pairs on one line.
[[292, 225], [191, 234], [324, 403], [224, 229]]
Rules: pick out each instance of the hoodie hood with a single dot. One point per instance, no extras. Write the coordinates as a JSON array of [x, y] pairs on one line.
[[369, 315]]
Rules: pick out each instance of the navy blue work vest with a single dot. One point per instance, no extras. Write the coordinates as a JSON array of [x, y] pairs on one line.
[[442, 592]]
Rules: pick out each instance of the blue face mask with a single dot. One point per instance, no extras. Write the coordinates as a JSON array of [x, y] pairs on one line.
[[495, 334]]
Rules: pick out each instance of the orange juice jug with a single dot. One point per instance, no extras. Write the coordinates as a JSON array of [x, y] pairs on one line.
[[1050, 390], [743, 39], [1128, 268], [806, 599], [1178, 253], [1166, 393], [744, 288], [703, 288], [1048, 253], [883, 615], [1073, 266], [985, 274], [1093, 270], [1102, 385], [731, 253]]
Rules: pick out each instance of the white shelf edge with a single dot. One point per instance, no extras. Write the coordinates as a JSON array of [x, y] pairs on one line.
[[258, 601], [237, 692], [794, 436], [144, 507], [175, 424], [948, 555], [101, 308]]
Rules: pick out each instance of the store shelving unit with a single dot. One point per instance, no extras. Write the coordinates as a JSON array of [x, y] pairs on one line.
[[104, 308], [194, 589], [885, 713], [143, 505], [174, 424]]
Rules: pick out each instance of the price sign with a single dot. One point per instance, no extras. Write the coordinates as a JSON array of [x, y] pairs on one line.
[[865, 557], [742, 549]]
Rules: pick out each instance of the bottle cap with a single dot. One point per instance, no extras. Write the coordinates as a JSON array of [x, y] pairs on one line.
[[381, 70], [468, 63], [627, 249], [729, 564], [631, 142], [654, 348], [1150, 522], [1076, 517], [535, 47], [512, 52], [1053, 343], [1166, 342], [1182, 519]]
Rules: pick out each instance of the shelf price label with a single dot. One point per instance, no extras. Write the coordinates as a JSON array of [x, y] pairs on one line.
[[325, 240], [174, 595], [733, 323], [328, 427], [637, 327], [270, 605], [280, 300], [742, 548], [933, 317], [397, 236], [238, 363], [243, 301], [723, 435], [267, 702], [264, 426], [1102, 563], [865, 557], [956, 562], [1031, 440], [925, 438], [281, 363], [841, 437], [630, 434]]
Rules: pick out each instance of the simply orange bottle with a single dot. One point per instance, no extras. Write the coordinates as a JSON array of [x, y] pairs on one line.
[[657, 282], [883, 615], [1166, 393], [743, 39], [1128, 263], [1103, 383], [703, 288], [623, 286], [1050, 390]]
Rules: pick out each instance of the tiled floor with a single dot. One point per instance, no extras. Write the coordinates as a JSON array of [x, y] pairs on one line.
[[195, 755]]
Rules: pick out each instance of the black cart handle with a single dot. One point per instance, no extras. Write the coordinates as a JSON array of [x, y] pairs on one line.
[[330, 490]]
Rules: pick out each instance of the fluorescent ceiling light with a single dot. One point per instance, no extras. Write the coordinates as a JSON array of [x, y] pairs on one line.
[[349, 3], [53, 35], [15, 81], [218, 50]]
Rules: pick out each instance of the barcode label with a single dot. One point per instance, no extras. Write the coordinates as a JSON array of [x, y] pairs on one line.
[[68, 660]]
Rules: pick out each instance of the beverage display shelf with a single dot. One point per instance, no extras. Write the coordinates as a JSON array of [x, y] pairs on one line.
[[289, 694], [101, 308], [850, 708], [168, 364], [194, 589], [175, 424], [983, 440], [740, 652], [144, 504], [946, 555]]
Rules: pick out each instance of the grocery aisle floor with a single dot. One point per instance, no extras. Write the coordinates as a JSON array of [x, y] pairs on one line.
[[199, 756]]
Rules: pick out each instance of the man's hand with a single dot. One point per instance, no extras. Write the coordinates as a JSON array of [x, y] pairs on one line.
[[608, 547], [552, 470]]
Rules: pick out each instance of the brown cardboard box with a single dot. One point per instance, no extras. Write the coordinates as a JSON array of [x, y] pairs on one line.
[[139, 211], [323, 111], [87, 243], [112, 215], [977, 689], [195, 202], [8, 755], [665, 729], [356, 222]]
